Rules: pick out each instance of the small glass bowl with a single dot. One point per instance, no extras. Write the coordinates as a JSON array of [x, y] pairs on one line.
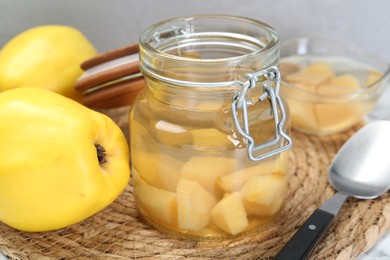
[[329, 86]]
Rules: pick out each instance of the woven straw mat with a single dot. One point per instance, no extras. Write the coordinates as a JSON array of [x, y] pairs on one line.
[[118, 232]]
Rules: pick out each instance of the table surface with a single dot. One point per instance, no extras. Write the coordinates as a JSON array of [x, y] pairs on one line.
[[381, 250]]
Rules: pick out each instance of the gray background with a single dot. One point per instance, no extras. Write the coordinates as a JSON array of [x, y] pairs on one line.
[[111, 24], [114, 23]]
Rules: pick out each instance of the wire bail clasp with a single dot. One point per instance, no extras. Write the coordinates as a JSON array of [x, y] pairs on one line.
[[270, 82]]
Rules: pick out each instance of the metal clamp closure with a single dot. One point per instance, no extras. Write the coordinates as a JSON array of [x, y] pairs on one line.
[[270, 82]]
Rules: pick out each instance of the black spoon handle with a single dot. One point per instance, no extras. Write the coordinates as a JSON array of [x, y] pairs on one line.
[[307, 237]]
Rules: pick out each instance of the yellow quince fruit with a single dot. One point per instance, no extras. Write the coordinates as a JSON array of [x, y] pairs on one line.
[[46, 57], [60, 161]]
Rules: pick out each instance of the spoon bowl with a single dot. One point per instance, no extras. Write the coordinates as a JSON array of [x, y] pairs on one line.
[[360, 169]]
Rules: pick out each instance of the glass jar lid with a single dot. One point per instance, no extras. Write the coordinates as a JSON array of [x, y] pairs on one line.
[[207, 50]]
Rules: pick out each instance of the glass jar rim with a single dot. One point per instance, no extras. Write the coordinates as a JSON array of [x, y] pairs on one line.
[[150, 31]]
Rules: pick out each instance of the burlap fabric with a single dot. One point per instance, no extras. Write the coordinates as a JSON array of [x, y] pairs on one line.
[[119, 233]]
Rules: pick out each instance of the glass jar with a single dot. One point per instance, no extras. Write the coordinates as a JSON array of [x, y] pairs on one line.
[[209, 135]]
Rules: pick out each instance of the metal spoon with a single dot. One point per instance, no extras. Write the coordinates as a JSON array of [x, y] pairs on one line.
[[361, 169]]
